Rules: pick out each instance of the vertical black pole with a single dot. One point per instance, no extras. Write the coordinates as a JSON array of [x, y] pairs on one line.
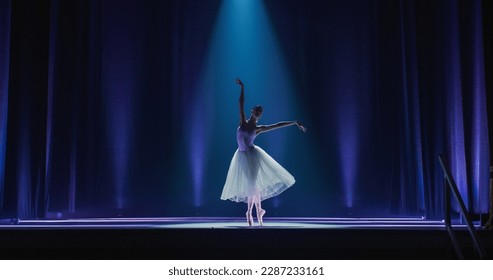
[[446, 202]]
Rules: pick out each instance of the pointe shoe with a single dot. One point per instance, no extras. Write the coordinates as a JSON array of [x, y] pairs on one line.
[[249, 218], [260, 216]]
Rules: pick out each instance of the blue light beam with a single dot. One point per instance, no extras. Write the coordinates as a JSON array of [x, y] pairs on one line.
[[242, 44]]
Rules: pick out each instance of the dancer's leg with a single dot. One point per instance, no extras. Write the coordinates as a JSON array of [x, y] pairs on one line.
[[260, 211], [249, 211]]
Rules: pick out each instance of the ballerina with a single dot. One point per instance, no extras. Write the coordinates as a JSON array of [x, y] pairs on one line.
[[253, 175]]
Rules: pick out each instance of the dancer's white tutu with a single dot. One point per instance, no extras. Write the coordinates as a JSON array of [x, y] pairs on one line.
[[254, 172]]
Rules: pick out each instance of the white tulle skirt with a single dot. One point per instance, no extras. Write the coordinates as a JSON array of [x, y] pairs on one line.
[[255, 173]]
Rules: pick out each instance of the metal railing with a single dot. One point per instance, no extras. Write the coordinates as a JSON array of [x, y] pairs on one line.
[[451, 186]]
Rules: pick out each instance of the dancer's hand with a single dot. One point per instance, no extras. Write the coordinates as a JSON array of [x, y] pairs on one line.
[[301, 127], [238, 81]]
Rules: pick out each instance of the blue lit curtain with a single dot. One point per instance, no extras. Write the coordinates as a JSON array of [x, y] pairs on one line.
[[112, 108], [4, 86], [391, 85]]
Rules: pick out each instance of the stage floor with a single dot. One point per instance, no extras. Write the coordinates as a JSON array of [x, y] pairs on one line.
[[228, 223], [232, 238]]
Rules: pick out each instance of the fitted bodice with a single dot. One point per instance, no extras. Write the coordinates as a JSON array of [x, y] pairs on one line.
[[245, 136]]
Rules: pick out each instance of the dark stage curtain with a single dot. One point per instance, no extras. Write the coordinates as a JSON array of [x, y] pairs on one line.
[[101, 114]]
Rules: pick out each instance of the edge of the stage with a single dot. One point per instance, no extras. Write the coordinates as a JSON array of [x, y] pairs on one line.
[[224, 223], [232, 238]]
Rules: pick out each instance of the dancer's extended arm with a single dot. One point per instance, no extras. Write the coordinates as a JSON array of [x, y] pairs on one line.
[[265, 128], [241, 102]]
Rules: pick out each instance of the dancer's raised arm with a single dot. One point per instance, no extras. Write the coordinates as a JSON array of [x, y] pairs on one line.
[[241, 102], [265, 128]]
